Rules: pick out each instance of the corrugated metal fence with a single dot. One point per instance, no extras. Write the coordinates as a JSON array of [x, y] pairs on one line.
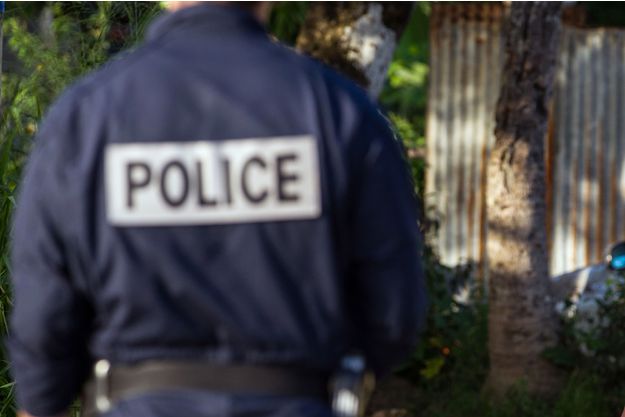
[[586, 143], [589, 148], [465, 67]]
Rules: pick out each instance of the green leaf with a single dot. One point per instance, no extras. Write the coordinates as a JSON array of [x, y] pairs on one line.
[[432, 367]]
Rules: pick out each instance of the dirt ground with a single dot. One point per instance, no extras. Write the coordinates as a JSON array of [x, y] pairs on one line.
[[393, 397]]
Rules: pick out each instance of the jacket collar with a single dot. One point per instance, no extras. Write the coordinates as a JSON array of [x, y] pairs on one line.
[[209, 17]]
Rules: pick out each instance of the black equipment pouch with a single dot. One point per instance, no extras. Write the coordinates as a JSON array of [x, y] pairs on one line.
[[110, 384], [352, 386]]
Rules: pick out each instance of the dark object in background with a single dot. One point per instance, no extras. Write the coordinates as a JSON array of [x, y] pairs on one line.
[[616, 257]]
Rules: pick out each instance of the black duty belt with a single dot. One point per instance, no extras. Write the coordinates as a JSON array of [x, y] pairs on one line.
[[113, 383]]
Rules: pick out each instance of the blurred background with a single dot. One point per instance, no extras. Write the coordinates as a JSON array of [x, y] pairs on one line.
[[440, 94]]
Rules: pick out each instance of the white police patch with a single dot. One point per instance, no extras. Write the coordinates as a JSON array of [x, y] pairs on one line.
[[230, 181]]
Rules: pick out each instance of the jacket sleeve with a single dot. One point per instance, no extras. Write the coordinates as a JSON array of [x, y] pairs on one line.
[[49, 321], [386, 284]]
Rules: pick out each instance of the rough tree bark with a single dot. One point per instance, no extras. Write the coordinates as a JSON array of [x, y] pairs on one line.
[[521, 321], [356, 38]]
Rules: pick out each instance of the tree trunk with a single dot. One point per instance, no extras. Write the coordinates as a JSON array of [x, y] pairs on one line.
[[355, 38], [522, 321]]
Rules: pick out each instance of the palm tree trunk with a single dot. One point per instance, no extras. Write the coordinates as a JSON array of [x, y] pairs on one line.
[[521, 321]]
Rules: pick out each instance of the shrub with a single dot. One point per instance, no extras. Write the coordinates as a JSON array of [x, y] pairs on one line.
[[71, 43]]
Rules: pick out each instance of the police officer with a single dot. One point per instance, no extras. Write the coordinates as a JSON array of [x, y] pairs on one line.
[[214, 220]]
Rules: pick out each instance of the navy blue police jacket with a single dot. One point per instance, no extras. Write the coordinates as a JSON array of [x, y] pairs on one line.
[[215, 196]]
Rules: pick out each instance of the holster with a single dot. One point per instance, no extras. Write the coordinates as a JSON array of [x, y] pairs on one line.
[[352, 386]]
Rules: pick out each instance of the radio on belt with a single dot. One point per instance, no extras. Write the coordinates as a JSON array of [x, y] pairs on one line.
[[212, 182]]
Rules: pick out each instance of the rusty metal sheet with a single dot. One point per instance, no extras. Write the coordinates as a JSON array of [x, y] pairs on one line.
[[585, 143], [465, 69], [588, 183]]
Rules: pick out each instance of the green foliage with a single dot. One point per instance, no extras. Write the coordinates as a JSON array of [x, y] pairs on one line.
[[452, 385], [74, 43], [606, 341], [136, 16], [597, 351], [41, 64], [454, 338], [407, 75], [450, 365], [286, 20], [583, 396], [404, 95], [451, 382]]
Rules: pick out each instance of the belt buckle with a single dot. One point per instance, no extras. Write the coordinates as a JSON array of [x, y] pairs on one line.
[[102, 371]]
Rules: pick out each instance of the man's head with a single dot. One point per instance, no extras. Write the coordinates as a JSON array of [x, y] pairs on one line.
[[260, 9]]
